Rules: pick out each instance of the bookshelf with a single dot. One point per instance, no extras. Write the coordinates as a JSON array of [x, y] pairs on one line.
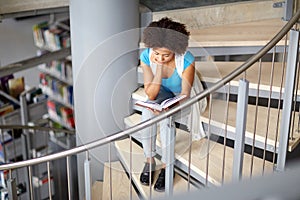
[[56, 79], [56, 82]]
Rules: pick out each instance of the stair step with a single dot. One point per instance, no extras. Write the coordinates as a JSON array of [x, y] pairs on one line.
[[199, 157], [218, 117], [256, 33], [211, 72], [246, 34], [120, 182], [138, 159], [97, 190]]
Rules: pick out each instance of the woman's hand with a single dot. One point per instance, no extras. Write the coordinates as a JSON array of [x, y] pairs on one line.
[[155, 112]]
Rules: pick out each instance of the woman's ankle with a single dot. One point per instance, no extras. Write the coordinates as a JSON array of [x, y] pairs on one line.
[[150, 160]]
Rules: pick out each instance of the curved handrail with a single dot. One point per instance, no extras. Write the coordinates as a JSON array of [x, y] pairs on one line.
[[162, 116]]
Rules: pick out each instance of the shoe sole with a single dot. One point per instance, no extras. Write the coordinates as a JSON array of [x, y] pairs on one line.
[[158, 190]]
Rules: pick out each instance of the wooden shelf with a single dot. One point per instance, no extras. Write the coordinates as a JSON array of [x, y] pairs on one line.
[[27, 6]]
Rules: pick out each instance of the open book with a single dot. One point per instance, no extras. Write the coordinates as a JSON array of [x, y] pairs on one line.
[[160, 106]]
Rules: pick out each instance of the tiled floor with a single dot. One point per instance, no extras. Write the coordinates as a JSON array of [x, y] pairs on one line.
[[161, 5]]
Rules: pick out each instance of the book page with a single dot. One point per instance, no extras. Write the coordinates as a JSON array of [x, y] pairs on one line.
[[168, 102]]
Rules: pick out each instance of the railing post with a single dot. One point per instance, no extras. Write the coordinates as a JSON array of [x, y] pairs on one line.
[[291, 68], [170, 159], [241, 120], [288, 10], [12, 189], [87, 177], [24, 120]]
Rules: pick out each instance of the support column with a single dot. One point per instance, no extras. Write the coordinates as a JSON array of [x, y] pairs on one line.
[[104, 44], [170, 149], [285, 123], [241, 120]]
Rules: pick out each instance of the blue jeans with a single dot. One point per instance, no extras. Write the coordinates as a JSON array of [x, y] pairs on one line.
[[148, 135]]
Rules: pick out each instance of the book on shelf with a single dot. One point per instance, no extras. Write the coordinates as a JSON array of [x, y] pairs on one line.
[[167, 103], [4, 82], [16, 86], [50, 37], [7, 108], [61, 113], [57, 88], [38, 33]]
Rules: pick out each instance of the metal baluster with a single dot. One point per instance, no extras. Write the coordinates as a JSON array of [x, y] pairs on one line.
[[69, 178], [87, 177], [9, 173], [150, 168], [268, 113], [4, 146], [208, 138], [241, 120], [295, 103], [30, 181], [279, 101], [15, 153], [255, 118], [225, 131], [49, 180], [130, 168], [170, 159], [190, 153], [39, 182], [110, 171], [12, 188], [14, 144]]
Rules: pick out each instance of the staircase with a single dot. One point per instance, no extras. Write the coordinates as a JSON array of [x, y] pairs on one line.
[[210, 161]]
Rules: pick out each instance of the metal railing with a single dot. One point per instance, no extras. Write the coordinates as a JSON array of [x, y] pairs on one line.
[[26, 142], [242, 101]]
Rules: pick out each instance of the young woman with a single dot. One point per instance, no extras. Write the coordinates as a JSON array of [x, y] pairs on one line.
[[168, 68]]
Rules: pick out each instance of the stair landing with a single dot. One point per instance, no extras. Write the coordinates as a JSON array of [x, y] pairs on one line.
[[120, 184], [138, 159]]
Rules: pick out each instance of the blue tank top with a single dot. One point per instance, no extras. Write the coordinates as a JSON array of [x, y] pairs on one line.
[[173, 83]]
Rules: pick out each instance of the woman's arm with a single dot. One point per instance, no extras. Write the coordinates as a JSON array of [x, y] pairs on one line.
[[152, 82], [187, 80]]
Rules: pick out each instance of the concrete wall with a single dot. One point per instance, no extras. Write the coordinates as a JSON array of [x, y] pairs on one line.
[[206, 16], [104, 58]]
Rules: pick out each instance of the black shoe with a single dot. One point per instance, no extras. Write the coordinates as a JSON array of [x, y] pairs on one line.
[[160, 182], [145, 175]]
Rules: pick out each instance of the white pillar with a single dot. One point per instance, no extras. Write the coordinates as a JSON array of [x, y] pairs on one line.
[[104, 58]]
